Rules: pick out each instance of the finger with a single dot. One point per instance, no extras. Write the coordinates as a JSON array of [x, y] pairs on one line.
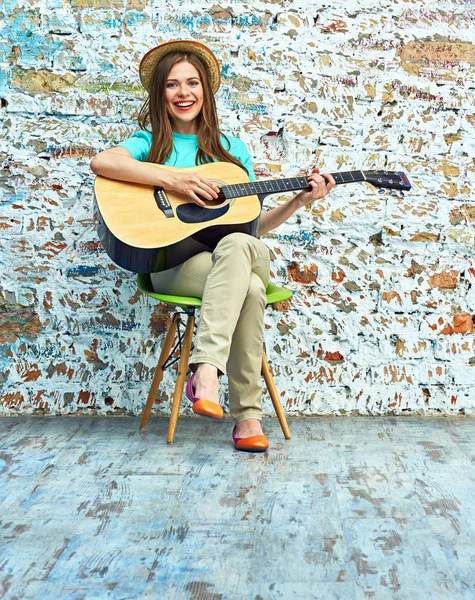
[[197, 200], [207, 191], [329, 183], [202, 186], [315, 188], [319, 189], [329, 180], [214, 186], [210, 186], [318, 179]]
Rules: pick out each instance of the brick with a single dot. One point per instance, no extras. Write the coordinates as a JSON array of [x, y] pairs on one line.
[[23, 103], [426, 95], [102, 104], [96, 22], [425, 237], [404, 374], [282, 306], [455, 349], [328, 375], [159, 322], [463, 323], [254, 21], [17, 320], [415, 55], [416, 299], [461, 374], [407, 348], [35, 82], [12, 225], [436, 324], [376, 399], [392, 296], [28, 371], [379, 138], [59, 22], [12, 400], [449, 399], [445, 280], [302, 274], [130, 4]]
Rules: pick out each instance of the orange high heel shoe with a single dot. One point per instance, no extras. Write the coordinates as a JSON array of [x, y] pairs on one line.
[[202, 407], [254, 443]]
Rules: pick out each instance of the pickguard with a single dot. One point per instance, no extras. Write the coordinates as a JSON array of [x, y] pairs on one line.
[[192, 213]]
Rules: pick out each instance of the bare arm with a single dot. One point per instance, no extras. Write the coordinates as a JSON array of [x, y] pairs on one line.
[[273, 218], [117, 163], [321, 186]]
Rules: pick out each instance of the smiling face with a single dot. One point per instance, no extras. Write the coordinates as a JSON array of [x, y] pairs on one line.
[[184, 97]]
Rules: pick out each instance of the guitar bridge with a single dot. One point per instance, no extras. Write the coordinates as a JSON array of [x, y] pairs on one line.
[[163, 203]]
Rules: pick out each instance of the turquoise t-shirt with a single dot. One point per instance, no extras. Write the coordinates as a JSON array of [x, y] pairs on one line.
[[185, 147]]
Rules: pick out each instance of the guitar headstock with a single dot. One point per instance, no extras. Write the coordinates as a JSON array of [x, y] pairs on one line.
[[391, 180]]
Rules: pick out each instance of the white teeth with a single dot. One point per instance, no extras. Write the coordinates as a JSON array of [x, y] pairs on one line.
[[183, 104]]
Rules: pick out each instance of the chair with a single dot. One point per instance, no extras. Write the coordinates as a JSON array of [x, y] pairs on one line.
[[189, 306]]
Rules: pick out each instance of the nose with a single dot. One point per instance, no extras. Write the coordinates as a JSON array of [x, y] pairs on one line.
[[182, 91]]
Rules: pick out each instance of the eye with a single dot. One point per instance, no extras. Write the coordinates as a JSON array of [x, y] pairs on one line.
[[170, 84], [195, 82]]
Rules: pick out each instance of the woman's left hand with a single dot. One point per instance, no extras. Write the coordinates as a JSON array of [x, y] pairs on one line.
[[321, 186]]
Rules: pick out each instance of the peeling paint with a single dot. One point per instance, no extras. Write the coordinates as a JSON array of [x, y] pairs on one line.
[[381, 319]]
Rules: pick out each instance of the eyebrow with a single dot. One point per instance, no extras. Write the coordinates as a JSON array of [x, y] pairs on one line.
[[188, 79]]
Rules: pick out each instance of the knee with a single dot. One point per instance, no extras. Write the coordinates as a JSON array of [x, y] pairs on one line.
[[242, 242], [235, 241]]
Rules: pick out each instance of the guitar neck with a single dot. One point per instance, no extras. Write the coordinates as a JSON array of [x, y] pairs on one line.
[[292, 184]]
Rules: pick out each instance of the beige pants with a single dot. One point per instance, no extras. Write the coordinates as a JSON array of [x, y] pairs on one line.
[[232, 282]]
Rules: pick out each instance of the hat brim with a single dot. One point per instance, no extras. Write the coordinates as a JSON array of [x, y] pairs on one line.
[[153, 56]]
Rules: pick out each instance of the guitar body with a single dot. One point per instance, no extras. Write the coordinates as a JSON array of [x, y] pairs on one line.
[[145, 228], [135, 222]]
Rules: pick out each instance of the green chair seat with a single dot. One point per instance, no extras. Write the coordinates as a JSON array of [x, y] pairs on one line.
[[277, 294], [274, 293]]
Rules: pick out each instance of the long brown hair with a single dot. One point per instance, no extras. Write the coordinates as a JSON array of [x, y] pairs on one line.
[[154, 113]]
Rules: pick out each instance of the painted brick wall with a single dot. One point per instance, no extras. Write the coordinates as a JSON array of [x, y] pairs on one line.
[[382, 317]]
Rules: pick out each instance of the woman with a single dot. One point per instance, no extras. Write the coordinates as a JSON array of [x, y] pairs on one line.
[[230, 277]]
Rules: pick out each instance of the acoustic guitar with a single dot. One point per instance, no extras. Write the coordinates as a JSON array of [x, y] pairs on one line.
[[134, 221]]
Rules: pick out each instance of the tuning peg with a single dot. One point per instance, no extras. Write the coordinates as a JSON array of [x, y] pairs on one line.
[[381, 191]]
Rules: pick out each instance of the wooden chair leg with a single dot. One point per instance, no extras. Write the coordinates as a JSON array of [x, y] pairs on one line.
[[274, 396], [181, 374], [157, 378]]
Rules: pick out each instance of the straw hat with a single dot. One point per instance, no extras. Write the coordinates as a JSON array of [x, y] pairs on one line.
[[148, 62]]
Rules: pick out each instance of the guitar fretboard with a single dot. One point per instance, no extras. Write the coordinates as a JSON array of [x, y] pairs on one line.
[[348, 177], [274, 186]]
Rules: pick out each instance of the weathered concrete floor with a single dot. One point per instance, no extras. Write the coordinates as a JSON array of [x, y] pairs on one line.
[[349, 508]]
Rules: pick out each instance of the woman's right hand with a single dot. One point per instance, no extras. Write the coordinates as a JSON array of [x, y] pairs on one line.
[[193, 186]]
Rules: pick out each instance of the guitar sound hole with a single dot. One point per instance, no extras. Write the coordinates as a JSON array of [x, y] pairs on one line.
[[212, 204]]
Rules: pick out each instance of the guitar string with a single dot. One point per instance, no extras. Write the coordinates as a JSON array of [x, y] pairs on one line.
[[282, 185]]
